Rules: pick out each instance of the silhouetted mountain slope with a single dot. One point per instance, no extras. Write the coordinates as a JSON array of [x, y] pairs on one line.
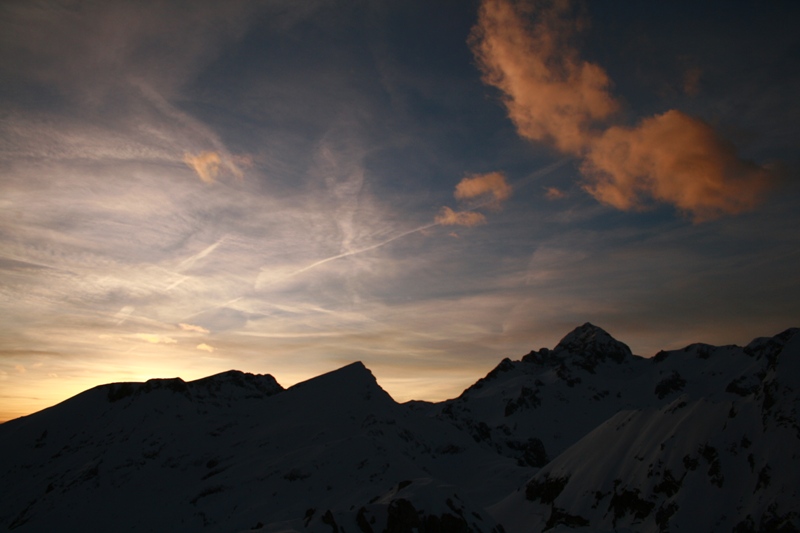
[[233, 451], [583, 435]]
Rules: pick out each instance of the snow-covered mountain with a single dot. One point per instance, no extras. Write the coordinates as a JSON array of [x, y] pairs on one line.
[[586, 435]]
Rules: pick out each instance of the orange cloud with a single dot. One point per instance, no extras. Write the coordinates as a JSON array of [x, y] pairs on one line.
[[192, 328], [448, 217], [554, 193], [207, 165], [205, 347], [553, 96], [550, 94], [492, 186], [677, 159]]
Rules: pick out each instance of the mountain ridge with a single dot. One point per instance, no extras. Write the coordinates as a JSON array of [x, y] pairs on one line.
[[586, 435]]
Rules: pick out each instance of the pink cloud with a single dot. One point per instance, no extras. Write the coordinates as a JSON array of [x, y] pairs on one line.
[[554, 193], [553, 96], [491, 186], [550, 93], [207, 165], [448, 217], [677, 159]]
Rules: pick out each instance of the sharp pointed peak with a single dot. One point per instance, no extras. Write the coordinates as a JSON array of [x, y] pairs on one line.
[[353, 384], [594, 341], [355, 373]]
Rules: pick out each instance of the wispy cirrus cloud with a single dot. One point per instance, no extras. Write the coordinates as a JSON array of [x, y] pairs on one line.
[[154, 338], [555, 97]]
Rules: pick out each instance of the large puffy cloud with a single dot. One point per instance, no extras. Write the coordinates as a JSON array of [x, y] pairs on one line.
[[677, 159], [550, 93], [553, 96]]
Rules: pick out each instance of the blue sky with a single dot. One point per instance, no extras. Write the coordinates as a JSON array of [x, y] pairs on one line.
[[286, 187]]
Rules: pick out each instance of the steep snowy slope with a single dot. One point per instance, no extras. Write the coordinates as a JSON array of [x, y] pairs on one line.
[[535, 408], [722, 455], [232, 452]]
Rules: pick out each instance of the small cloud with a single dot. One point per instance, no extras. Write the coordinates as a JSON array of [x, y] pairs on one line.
[[207, 165], [52, 375], [491, 186], [19, 368], [155, 339], [193, 328], [205, 347], [691, 81], [554, 193], [448, 217]]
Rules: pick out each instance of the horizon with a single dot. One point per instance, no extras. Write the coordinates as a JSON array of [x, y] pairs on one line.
[[286, 386], [427, 188]]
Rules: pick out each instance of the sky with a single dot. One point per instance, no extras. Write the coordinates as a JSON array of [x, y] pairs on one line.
[[428, 187]]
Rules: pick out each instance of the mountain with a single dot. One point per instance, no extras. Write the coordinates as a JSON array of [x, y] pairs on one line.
[[583, 436]]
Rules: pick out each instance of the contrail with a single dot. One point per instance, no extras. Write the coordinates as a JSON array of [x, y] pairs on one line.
[[189, 263], [542, 172], [519, 184], [362, 250], [535, 175]]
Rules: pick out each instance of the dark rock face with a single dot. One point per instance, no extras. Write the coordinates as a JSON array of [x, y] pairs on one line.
[[672, 383], [217, 387], [545, 490], [594, 345], [403, 517]]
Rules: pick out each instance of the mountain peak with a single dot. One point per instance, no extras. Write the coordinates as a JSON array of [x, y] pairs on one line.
[[353, 379], [593, 342]]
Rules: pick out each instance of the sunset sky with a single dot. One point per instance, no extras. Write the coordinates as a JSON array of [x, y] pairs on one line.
[[286, 187]]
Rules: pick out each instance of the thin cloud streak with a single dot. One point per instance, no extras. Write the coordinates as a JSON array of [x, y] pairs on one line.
[[351, 253], [492, 188]]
